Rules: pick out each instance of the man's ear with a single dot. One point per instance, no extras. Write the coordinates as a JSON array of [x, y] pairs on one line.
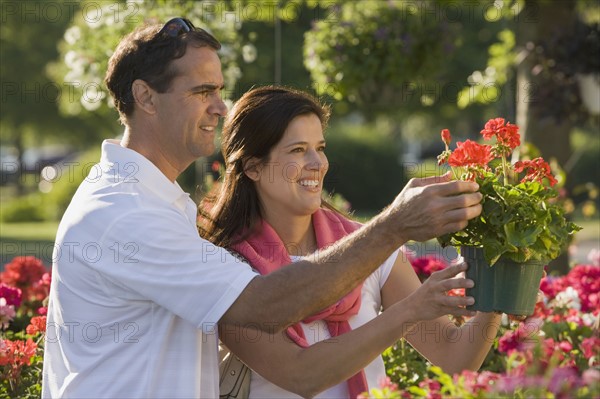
[[144, 96], [252, 168]]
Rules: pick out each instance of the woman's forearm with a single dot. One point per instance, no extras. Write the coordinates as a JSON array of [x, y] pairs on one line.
[[325, 363], [453, 348], [308, 371]]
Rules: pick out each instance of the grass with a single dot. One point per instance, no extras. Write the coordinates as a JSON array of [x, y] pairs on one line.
[[20, 239], [37, 239], [590, 230], [43, 231]]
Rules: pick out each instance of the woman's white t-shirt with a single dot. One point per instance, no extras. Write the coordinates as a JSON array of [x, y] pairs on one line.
[[316, 331]]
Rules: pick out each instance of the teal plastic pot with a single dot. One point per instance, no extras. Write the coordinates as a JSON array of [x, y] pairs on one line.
[[483, 276], [507, 287]]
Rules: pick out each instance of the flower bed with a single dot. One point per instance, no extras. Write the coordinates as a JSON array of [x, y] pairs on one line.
[[553, 353]]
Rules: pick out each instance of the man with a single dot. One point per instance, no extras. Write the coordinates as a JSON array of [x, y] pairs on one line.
[[136, 294]]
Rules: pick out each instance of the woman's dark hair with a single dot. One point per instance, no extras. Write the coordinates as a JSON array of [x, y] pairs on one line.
[[255, 124], [144, 54]]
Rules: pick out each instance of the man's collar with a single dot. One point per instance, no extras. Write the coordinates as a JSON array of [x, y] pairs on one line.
[[131, 167]]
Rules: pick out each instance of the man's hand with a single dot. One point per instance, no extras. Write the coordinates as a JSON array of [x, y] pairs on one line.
[[430, 207]]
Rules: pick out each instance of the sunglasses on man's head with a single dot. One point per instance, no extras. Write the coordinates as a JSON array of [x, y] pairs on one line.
[[176, 27]]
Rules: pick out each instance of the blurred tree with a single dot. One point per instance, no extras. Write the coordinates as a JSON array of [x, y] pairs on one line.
[[95, 32], [384, 57], [28, 35], [403, 61]]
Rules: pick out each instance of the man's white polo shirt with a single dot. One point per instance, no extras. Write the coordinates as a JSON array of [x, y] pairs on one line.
[[136, 293]]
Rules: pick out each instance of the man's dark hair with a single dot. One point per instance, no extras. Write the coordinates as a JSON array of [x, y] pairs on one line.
[[144, 54]]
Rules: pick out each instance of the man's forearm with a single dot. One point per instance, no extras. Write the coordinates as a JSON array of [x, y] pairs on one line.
[[426, 208], [288, 295]]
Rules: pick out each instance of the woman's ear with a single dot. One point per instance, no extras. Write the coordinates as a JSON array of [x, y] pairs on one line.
[[252, 168]]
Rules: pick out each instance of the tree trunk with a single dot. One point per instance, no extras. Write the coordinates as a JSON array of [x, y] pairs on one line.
[[539, 19]]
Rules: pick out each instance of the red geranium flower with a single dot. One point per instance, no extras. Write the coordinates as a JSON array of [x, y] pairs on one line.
[[17, 353], [446, 138], [470, 153], [509, 136], [492, 127], [536, 170], [23, 272], [37, 325]]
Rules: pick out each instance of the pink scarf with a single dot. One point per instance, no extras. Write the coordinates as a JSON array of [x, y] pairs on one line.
[[266, 252]]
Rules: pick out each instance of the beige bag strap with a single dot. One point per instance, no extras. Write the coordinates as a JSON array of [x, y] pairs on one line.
[[234, 376]]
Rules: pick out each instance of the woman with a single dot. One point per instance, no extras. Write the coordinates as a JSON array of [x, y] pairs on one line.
[[269, 210]]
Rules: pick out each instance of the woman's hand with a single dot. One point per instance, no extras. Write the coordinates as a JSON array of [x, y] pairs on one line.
[[431, 301]]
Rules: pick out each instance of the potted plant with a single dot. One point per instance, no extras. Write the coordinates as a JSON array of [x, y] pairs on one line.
[[521, 226]]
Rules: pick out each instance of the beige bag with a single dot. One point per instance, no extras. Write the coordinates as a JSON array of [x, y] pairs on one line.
[[234, 377]]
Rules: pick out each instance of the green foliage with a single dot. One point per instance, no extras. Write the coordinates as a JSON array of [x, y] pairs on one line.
[[91, 40], [62, 190], [363, 166], [518, 222], [27, 42], [28, 385], [23, 209], [375, 50], [404, 365], [485, 86]]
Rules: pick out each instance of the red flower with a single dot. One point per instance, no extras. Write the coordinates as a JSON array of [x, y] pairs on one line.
[[536, 170], [37, 325], [216, 166], [509, 136], [23, 272], [492, 127], [446, 136], [17, 353], [41, 289], [589, 347], [470, 153]]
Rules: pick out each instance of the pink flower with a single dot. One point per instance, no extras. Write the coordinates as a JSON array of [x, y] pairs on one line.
[[11, 294], [477, 383], [426, 265], [386, 382], [589, 347], [563, 379], [432, 387], [525, 336], [7, 314], [591, 377], [594, 257]]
